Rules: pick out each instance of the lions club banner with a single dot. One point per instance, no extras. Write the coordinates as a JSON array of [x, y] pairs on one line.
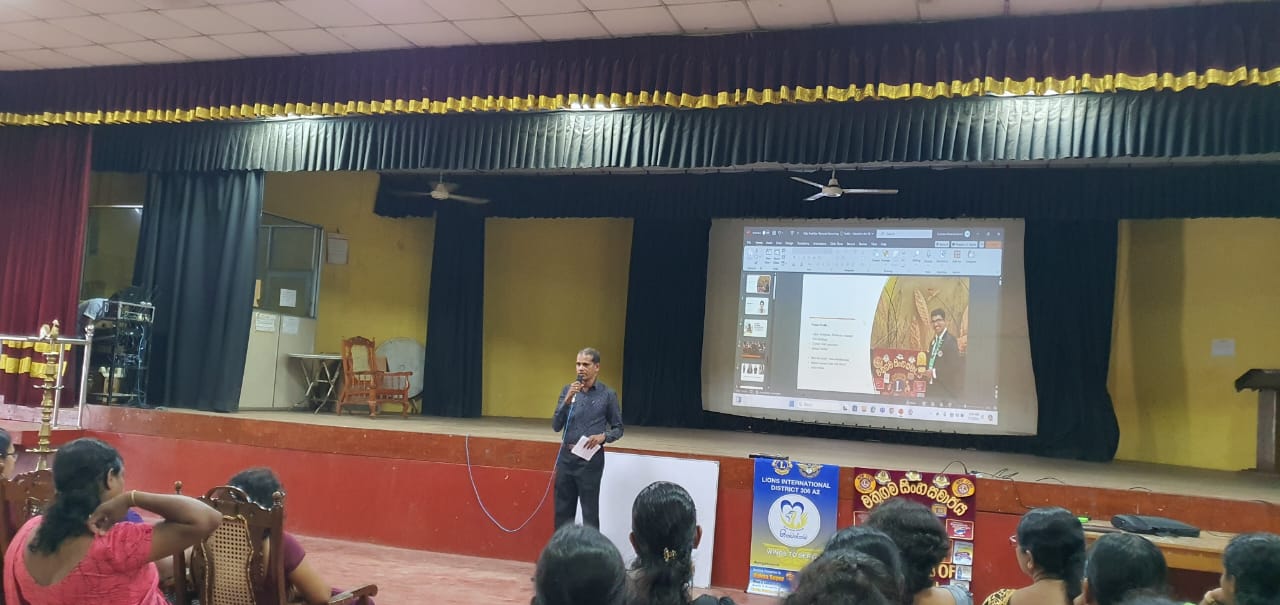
[[794, 514], [950, 497]]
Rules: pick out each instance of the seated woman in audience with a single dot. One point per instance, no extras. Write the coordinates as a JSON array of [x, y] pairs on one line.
[[877, 544], [923, 543], [78, 553], [664, 532], [843, 577], [10, 455], [305, 583], [1049, 546], [1251, 572], [1122, 566], [579, 566]]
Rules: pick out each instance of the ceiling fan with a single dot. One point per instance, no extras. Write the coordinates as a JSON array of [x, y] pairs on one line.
[[833, 189], [443, 191]]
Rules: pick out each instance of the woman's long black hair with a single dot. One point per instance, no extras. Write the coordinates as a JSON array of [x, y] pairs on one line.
[[920, 537], [1254, 561], [1123, 566], [1055, 539], [80, 472], [664, 526], [579, 566]]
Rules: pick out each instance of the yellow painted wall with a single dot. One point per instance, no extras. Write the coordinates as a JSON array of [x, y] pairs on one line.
[[382, 292], [1181, 284], [552, 287]]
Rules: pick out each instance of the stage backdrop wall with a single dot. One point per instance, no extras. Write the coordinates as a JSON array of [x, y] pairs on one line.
[[552, 287], [1180, 284], [383, 289]]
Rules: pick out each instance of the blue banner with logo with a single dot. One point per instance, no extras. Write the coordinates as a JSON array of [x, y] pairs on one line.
[[793, 516]]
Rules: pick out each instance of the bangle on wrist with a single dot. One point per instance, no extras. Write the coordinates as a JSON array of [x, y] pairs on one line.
[[133, 498]]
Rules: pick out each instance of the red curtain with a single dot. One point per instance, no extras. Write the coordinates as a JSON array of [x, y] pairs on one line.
[[44, 205]]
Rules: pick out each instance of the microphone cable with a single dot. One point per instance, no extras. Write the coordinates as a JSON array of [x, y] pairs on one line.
[[550, 480]]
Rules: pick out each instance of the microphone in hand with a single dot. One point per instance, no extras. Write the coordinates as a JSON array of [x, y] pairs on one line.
[[576, 388]]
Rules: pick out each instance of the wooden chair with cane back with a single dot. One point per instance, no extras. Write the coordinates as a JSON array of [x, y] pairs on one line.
[[242, 563], [366, 382], [21, 498]]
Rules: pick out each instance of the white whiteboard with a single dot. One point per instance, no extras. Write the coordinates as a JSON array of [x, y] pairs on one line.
[[626, 474]]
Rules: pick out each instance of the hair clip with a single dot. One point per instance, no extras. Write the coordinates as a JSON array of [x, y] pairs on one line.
[[668, 555]]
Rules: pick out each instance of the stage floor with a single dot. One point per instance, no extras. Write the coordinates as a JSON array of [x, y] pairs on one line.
[[1243, 486]]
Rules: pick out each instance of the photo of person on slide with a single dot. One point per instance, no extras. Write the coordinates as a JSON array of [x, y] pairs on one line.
[[946, 366]]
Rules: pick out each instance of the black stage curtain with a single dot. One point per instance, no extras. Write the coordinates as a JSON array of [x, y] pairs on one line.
[[1194, 124], [1031, 193], [452, 380], [1071, 286], [662, 353], [196, 255], [1172, 49]]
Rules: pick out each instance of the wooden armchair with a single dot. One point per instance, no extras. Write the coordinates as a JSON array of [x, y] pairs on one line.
[[21, 498], [242, 563], [366, 382]]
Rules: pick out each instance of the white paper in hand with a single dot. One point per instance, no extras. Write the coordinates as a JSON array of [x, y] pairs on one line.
[[584, 451]]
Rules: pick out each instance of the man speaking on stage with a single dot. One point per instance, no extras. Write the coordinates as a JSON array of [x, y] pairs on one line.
[[588, 413]]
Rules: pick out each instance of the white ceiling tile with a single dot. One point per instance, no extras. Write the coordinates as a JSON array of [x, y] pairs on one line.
[[96, 29], [498, 31], [567, 27], [148, 51], [433, 34], [858, 12], [525, 8], [230, 2], [268, 16], [102, 7], [398, 11], [254, 44], [172, 4], [208, 20], [46, 9], [638, 21], [151, 25], [680, 2], [960, 9], [13, 13], [370, 37], [459, 10], [98, 55], [330, 13], [47, 59], [10, 63], [49, 36], [787, 14], [312, 41], [605, 5], [713, 17], [9, 41], [1041, 7], [204, 48]]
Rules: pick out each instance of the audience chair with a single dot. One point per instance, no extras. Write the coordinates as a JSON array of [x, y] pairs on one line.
[[229, 565], [21, 498]]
